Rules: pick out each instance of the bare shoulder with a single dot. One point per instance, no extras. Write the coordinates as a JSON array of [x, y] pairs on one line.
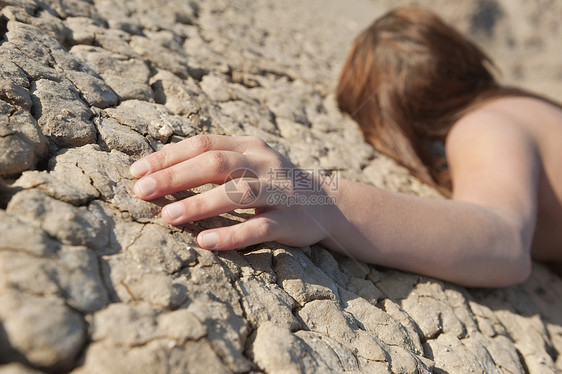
[[522, 116], [499, 117], [497, 126], [506, 156], [516, 126], [494, 159]]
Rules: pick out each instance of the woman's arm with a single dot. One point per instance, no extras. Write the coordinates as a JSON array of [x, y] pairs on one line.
[[457, 241], [480, 238]]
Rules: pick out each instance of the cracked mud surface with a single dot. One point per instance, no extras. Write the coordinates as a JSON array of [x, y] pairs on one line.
[[92, 281]]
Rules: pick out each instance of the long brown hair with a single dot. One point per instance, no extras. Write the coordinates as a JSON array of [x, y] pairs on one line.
[[407, 79]]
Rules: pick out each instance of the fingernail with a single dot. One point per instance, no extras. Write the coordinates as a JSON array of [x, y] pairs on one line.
[[173, 211], [145, 187], [139, 169], [209, 240]]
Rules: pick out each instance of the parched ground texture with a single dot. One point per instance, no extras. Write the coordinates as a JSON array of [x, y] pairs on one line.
[[92, 281]]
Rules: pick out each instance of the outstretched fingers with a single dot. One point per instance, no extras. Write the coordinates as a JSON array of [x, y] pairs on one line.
[[185, 150], [236, 193], [206, 159], [210, 167], [262, 228]]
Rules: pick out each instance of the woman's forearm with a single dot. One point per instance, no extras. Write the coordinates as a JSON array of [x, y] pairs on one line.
[[456, 241]]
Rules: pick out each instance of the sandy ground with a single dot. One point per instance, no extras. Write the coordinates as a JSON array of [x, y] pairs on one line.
[[93, 281]]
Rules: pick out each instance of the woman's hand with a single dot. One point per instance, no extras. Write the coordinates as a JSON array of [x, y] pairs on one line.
[[291, 205]]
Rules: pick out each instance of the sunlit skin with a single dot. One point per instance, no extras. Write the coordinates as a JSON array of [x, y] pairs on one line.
[[507, 178]]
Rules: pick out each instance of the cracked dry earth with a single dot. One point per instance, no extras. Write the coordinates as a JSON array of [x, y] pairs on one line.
[[92, 281]]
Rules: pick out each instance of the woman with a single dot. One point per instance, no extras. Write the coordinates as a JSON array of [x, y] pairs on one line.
[[412, 83]]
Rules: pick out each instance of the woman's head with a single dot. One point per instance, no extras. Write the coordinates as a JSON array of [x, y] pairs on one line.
[[407, 79]]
